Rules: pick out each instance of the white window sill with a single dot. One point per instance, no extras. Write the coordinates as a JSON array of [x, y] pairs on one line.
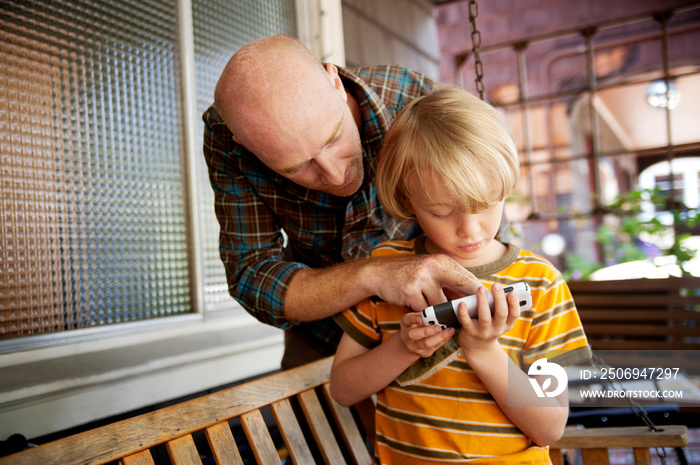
[[50, 390]]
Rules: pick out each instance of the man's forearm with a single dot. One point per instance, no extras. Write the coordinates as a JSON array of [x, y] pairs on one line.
[[415, 281], [318, 293]]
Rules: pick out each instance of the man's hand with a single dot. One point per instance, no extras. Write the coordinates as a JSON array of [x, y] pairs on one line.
[[413, 281], [420, 281]]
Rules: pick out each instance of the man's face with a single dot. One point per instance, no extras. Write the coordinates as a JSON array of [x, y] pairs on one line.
[[328, 159], [312, 140]]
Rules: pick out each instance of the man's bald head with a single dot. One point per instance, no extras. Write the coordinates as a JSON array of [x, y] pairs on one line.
[[267, 83], [294, 114]]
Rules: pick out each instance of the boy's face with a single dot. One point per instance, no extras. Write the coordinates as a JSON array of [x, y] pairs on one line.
[[467, 237]]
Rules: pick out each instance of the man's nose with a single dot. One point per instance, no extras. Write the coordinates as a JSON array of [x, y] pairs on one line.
[[332, 169]]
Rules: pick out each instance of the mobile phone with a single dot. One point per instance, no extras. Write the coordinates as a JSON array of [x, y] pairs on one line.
[[445, 314]]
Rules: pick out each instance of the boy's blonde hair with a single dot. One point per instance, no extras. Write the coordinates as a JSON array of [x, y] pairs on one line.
[[452, 136]]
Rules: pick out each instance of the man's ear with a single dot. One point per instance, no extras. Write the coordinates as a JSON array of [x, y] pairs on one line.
[[337, 83], [239, 142]]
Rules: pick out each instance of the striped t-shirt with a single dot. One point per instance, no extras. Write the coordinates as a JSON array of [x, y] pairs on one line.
[[438, 411]]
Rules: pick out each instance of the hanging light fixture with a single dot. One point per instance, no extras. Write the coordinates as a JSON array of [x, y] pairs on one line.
[[660, 97]]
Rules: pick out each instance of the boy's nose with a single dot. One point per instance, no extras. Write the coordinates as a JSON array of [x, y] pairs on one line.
[[468, 226]]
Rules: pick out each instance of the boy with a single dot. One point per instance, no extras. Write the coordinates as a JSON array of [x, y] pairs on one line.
[[450, 162]]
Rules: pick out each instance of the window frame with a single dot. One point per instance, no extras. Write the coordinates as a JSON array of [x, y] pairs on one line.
[[319, 25]]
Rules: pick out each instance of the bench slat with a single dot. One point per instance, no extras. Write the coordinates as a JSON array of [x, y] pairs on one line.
[[259, 438], [642, 456], [600, 344], [635, 285], [182, 451], [595, 456], [291, 432], [223, 445], [348, 429], [140, 458], [630, 329], [616, 314], [320, 428], [556, 457], [624, 300], [595, 442]]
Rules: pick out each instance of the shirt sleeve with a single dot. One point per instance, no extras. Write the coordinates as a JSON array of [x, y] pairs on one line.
[[360, 323], [556, 332], [251, 243]]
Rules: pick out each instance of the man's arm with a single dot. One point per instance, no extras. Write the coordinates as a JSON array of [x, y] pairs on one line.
[[251, 244], [412, 281]]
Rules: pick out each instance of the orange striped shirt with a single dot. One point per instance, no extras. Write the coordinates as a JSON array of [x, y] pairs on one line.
[[438, 411]]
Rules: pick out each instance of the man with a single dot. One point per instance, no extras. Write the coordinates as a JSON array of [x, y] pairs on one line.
[[290, 144]]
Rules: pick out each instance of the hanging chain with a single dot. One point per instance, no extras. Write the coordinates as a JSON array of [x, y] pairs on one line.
[[476, 45], [636, 408]]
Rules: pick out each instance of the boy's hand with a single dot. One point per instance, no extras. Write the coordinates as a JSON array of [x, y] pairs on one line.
[[480, 334], [421, 340]]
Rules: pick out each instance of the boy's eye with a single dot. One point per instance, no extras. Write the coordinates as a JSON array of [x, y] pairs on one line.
[[442, 214]]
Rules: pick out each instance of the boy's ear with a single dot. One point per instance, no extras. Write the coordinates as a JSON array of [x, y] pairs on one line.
[[409, 209]]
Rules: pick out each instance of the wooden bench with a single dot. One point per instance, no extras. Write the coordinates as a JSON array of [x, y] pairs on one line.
[[640, 314], [132, 440], [595, 442], [334, 439], [627, 321]]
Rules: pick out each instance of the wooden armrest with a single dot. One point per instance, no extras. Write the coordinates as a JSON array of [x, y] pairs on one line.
[[627, 436], [595, 442]]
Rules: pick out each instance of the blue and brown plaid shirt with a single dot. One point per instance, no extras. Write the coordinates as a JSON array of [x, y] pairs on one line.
[[254, 205]]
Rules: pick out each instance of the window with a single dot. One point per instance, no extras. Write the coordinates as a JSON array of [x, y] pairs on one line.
[[579, 104], [220, 28], [686, 179], [94, 199], [670, 184]]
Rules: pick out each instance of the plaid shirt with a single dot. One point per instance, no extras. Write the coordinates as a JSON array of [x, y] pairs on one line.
[[254, 205]]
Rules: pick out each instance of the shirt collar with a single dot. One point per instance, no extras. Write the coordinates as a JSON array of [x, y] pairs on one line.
[[376, 117]]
